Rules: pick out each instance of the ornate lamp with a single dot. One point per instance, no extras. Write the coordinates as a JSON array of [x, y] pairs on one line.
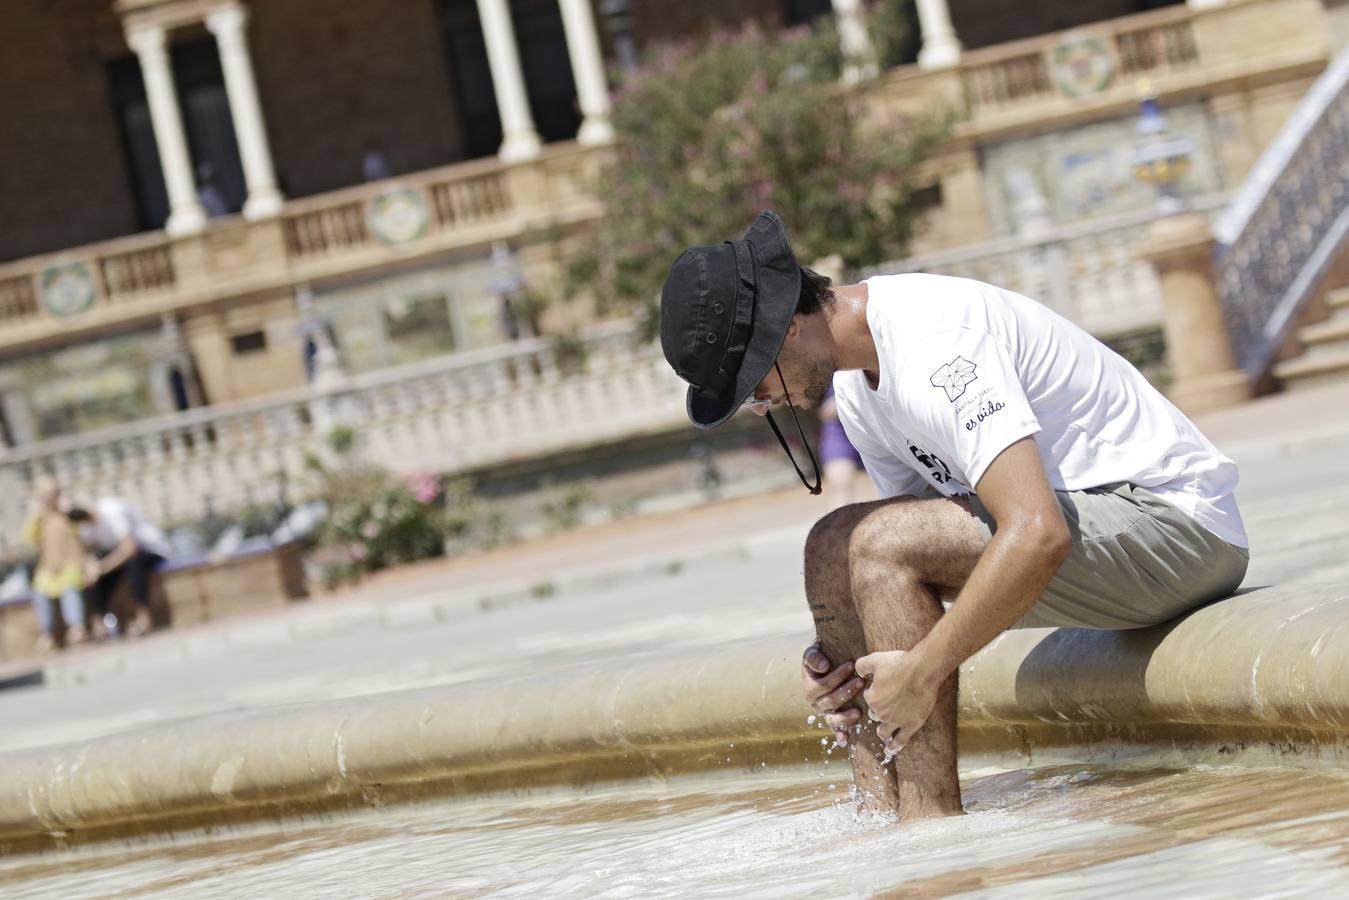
[[1180, 247], [325, 366], [1161, 158], [505, 283]]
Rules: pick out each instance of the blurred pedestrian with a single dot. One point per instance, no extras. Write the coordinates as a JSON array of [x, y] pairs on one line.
[[374, 164], [59, 572], [838, 457], [208, 192], [128, 547]]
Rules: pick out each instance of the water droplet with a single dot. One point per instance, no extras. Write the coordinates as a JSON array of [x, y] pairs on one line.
[[810, 720]]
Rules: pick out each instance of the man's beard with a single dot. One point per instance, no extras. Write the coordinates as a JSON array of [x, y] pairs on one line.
[[818, 379]]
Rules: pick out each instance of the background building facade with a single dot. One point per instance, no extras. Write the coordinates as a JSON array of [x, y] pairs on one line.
[[203, 195]]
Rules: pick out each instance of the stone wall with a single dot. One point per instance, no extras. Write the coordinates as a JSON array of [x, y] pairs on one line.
[[981, 23], [247, 350], [334, 75], [978, 23], [657, 21], [62, 177]]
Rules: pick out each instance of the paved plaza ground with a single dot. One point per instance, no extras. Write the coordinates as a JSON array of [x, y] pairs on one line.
[[695, 578]]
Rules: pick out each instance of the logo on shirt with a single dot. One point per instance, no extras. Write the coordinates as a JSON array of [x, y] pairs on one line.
[[937, 469], [954, 377], [985, 410]]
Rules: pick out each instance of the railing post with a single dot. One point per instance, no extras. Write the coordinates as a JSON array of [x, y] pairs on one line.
[[1198, 348], [941, 47]]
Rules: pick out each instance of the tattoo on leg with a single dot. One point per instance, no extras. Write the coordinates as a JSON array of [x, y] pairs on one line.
[[819, 611]]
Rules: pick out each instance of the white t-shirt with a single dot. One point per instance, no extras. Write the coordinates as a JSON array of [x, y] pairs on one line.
[[967, 369], [114, 519]]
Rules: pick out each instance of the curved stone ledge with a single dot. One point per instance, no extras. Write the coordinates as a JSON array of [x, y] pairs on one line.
[[1266, 666], [1272, 657]]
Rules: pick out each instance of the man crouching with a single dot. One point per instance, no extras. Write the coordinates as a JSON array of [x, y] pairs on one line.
[[1029, 474]]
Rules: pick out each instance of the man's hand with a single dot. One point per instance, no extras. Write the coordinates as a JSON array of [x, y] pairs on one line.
[[901, 695], [828, 689]]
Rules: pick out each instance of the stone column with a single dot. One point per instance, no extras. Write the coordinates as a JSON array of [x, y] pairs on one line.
[[587, 67], [1180, 248], [519, 140], [858, 54], [227, 24], [941, 48], [1205, 4], [185, 213]]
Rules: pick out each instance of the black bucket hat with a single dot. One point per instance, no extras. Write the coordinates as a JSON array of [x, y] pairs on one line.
[[724, 313]]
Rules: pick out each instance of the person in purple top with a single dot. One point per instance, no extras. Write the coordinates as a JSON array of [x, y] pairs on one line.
[[838, 457]]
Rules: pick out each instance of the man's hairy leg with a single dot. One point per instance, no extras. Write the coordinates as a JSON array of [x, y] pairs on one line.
[[874, 574], [843, 639]]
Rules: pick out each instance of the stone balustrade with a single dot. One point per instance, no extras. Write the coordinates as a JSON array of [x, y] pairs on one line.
[[1091, 274], [404, 208], [52, 287], [18, 297], [447, 415], [136, 271], [1175, 51], [1152, 44], [342, 232]]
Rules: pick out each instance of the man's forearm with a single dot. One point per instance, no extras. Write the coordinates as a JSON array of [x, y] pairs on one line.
[[119, 555], [1009, 577]]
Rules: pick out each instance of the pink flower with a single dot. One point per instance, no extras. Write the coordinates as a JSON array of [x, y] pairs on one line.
[[425, 487], [358, 552], [369, 530]]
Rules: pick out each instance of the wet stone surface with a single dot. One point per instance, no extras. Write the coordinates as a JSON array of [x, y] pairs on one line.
[[762, 832]]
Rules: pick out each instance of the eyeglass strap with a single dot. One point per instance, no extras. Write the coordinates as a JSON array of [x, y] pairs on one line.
[[813, 488]]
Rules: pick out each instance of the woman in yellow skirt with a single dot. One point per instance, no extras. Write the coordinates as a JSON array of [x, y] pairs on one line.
[[61, 563]]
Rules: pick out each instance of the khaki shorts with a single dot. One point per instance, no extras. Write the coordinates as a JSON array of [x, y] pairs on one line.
[[1136, 561]]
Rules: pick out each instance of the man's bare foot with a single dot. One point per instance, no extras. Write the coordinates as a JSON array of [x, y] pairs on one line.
[[912, 811], [75, 634]]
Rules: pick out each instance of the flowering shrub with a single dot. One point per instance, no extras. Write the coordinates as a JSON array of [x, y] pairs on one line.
[[376, 521], [712, 132]]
